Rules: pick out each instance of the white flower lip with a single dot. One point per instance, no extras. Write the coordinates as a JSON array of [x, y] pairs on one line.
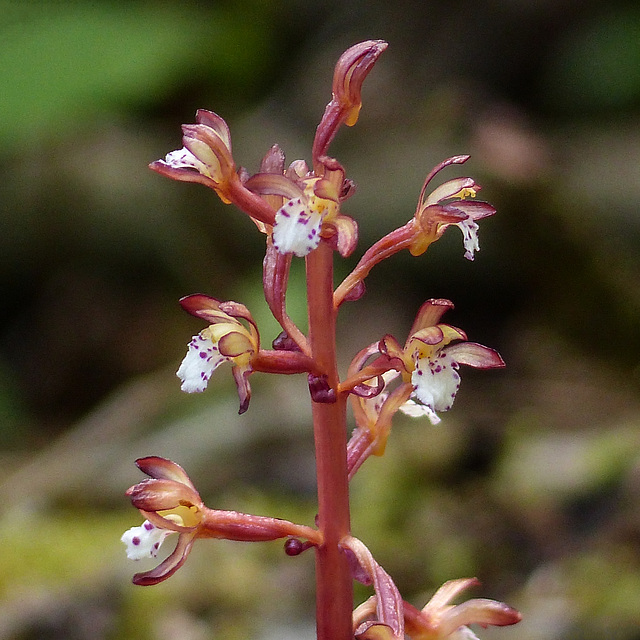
[[436, 382], [469, 230], [144, 541], [297, 228], [184, 159], [202, 359]]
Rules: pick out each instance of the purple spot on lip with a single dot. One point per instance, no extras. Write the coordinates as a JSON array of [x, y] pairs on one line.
[[148, 526], [135, 541]]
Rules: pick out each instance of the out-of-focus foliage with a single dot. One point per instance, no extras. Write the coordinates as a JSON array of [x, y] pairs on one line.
[[532, 481], [64, 65]]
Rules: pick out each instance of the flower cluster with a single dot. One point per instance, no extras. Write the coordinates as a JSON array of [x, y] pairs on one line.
[[298, 209]]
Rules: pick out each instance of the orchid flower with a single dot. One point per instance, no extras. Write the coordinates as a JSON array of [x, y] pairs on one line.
[[205, 157], [311, 208], [430, 364], [171, 504], [440, 620], [226, 339], [448, 205]]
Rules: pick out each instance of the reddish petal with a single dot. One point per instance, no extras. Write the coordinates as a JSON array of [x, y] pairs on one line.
[[213, 120], [237, 310], [475, 209], [200, 305], [350, 71], [428, 335], [345, 238], [182, 174], [430, 313], [478, 611], [265, 184], [159, 495], [241, 376], [273, 161], [391, 347], [163, 469], [475, 355], [389, 609]]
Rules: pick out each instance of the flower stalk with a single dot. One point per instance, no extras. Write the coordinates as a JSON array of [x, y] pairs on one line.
[[334, 600], [299, 210]]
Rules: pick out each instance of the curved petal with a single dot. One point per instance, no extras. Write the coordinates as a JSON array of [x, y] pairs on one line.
[[480, 611], [198, 304], [234, 343], [390, 347], [163, 469], [430, 336], [208, 159], [475, 355], [273, 184], [430, 313], [159, 495], [475, 209], [241, 377], [389, 609], [345, 238], [183, 174], [449, 189], [447, 592], [349, 74], [167, 568], [215, 122]]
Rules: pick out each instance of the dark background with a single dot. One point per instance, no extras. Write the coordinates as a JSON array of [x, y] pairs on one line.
[[531, 482]]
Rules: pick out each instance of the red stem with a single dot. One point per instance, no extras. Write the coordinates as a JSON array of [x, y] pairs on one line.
[[334, 587]]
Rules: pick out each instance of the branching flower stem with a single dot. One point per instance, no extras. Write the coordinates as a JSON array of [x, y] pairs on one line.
[[334, 590]]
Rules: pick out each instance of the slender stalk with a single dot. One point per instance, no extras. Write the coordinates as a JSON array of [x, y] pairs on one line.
[[393, 242], [334, 589]]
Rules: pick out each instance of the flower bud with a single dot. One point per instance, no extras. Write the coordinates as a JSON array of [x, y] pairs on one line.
[[351, 70]]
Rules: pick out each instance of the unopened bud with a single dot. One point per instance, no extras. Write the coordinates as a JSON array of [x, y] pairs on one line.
[[351, 70]]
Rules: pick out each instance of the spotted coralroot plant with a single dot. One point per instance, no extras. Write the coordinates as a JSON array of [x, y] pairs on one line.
[[298, 209]]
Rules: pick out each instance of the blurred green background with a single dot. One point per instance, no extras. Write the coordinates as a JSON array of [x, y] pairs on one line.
[[532, 481]]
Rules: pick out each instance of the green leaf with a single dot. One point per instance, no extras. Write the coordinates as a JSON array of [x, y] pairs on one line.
[[63, 63]]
